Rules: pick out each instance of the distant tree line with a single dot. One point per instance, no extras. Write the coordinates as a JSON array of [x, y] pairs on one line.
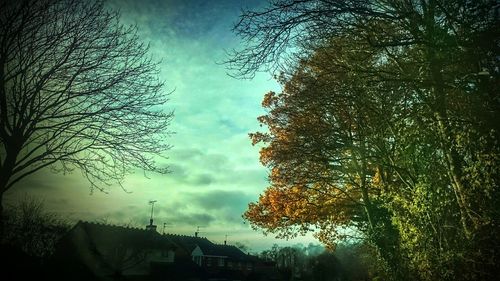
[[386, 130], [313, 262]]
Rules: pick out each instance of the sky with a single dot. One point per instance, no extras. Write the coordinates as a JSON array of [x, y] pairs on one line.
[[215, 171]]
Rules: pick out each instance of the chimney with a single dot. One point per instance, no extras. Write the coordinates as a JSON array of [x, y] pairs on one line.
[[196, 234], [151, 227], [225, 242]]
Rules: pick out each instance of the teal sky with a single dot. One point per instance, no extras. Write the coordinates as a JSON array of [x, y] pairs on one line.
[[215, 169]]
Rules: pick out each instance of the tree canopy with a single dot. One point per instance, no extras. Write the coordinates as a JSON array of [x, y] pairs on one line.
[[386, 126]]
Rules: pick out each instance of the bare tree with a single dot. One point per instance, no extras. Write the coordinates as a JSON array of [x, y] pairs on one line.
[[78, 90], [31, 228]]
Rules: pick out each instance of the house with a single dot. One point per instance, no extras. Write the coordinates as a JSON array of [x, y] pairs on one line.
[[108, 252], [93, 251], [220, 262]]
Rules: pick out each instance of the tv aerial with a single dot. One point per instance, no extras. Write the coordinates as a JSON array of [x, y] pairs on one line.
[[152, 203]]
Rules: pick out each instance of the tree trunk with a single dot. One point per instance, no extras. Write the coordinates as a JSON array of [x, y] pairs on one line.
[[438, 105], [452, 158], [12, 150], [455, 175]]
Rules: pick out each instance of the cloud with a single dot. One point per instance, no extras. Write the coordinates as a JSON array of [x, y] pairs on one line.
[[203, 179], [185, 154], [227, 200], [195, 168], [192, 219]]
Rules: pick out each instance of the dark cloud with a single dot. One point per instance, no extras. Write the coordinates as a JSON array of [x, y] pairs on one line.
[[185, 154], [216, 162], [181, 175], [190, 219], [196, 168], [198, 209], [206, 18], [232, 126], [177, 169], [229, 201], [203, 179], [183, 213]]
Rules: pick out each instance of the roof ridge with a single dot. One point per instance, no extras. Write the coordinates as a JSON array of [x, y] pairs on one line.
[[129, 227]]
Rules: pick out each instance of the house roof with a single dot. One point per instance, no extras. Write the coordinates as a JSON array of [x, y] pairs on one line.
[[189, 243], [100, 250], [116, 236], [232, 252], [105, 234]]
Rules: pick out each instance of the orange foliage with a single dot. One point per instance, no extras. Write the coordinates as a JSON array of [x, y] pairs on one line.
[[314, 147]]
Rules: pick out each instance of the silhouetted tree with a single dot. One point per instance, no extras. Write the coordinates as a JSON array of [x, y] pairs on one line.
[[30, 228], [77, 91], [325, 267], [242, 246], [356, 261]]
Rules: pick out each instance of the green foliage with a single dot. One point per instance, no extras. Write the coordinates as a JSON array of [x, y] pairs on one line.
[[387, 124]]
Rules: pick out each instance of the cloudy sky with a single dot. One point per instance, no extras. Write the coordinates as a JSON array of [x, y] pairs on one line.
[[215, 169]]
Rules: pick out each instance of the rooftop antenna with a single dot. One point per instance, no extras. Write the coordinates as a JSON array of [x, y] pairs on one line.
[[152, 202], [151, 226], [197, 231], [225, 240]]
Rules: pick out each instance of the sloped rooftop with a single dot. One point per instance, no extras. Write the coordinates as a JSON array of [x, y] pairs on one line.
[[189, 243], [115, 236], [106, 234]]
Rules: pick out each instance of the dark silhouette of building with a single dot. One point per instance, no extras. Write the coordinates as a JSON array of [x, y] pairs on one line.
[[92, 251], [112, 252]]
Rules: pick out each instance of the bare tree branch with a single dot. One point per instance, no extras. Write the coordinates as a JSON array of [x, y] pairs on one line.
[[78, 90]]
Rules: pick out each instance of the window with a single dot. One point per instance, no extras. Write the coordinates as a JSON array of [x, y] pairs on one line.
[[221, 262], [197, 260], [168, 256], [209, 261]]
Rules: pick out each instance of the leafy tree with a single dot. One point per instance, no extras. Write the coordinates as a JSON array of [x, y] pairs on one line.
[[322, 150], [313, 262], [77, 91], [325, 267], [385, 124]]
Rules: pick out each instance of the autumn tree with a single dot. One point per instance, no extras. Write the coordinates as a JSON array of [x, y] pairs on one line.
[[77, 91], [324, 149], [406, 95]]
